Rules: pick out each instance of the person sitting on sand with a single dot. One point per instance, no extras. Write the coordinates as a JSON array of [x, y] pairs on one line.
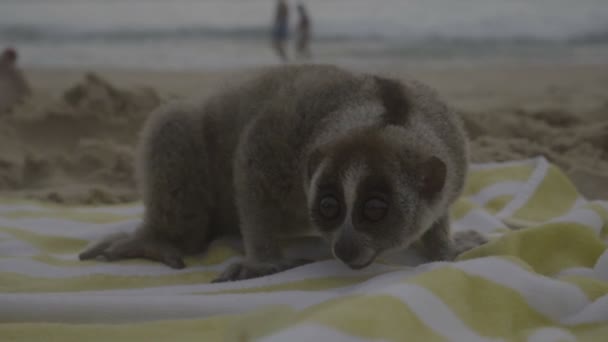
[[280, 29], [13, 85], [303, 29]]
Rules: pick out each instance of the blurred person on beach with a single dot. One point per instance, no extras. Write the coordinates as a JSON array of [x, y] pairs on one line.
[[303, 29], [13, 85], [280, 29]]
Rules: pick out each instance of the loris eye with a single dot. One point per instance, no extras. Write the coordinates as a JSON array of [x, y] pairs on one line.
[[375, 209], [329, 207]]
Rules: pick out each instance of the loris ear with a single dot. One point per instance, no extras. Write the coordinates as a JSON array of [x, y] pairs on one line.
[[434, 173], [314, 160]]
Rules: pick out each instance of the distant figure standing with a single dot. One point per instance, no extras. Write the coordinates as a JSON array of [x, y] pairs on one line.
[[280, 29], [303, 29], [13, 85]]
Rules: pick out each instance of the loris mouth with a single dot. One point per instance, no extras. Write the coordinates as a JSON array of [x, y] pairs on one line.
[[358, 266]]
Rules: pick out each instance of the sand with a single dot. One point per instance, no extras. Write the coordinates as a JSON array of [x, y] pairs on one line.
[[72, 140]]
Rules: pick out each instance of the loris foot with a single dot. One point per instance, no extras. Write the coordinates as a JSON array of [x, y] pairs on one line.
[[464, 241], [125, 246], [246, 269]]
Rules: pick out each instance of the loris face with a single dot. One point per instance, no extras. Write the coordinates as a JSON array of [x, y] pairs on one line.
[[364, 202]]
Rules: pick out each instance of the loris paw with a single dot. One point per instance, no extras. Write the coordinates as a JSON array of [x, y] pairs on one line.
[[247, 269], [125, 246], [464, 241]]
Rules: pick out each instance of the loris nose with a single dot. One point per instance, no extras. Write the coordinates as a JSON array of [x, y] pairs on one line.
[[345, 249]]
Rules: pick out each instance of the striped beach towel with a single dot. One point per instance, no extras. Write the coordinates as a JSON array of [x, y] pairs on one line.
[[542, 277]]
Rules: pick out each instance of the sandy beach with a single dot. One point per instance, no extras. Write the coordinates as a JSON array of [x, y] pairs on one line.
[[72, 141]]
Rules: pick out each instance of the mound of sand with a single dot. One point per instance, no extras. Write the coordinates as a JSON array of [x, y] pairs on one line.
[[76, 148], [576, 142]]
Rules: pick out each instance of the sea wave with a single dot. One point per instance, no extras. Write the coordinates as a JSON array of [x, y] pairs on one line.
[[33, 34]]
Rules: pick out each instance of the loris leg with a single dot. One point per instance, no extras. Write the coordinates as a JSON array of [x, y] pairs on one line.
[[263, 252], [438, 244], [175, 188], [262, 214]]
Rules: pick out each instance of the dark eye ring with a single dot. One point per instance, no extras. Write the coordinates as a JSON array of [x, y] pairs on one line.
[[329, 207], [375, 209]]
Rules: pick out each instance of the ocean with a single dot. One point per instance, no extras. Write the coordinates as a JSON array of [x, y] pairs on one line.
[[193, 34]]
